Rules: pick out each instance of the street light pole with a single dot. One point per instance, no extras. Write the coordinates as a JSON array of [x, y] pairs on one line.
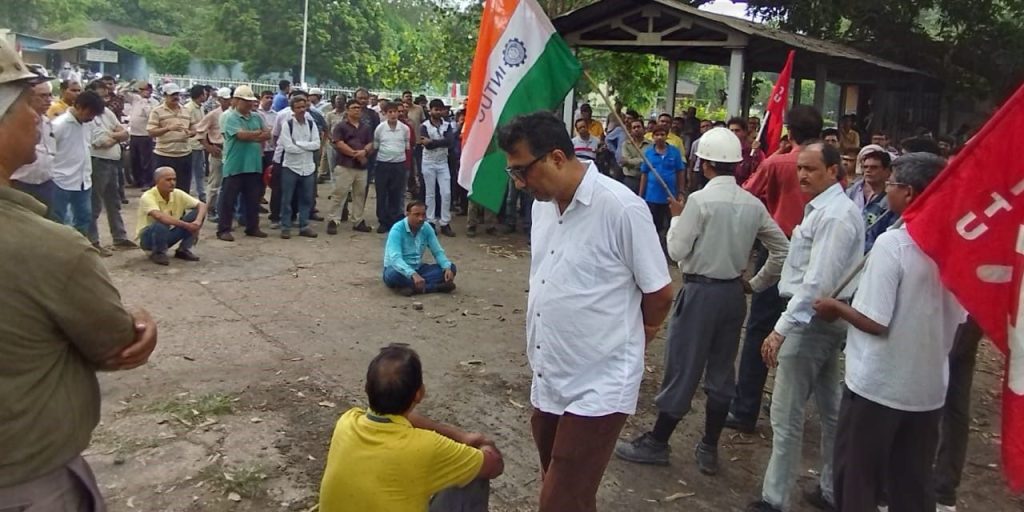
[[305, 30]]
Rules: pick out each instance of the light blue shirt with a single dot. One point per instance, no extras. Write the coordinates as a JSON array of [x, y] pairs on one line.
[[404, 250]]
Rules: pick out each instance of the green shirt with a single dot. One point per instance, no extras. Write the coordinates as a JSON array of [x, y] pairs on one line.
[[241, 156], [62, 318]]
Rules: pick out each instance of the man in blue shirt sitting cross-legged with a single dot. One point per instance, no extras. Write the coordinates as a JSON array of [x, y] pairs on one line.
[[404, 269]]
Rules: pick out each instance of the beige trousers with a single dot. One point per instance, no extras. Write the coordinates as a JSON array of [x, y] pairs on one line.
[[348, 180]]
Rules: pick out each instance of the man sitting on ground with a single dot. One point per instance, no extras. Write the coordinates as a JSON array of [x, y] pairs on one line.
[[403, 256], [168, 215], [389, 457]]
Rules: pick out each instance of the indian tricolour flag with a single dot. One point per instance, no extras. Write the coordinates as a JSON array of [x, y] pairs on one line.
[[521, 65]]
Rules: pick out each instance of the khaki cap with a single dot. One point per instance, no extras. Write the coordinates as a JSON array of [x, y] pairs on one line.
[[244, 92], [12, 68]]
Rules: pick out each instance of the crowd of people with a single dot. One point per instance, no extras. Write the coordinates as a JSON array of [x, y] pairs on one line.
[[602, 206]]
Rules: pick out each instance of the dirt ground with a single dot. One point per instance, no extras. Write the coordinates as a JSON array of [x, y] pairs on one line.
[[264, 343]]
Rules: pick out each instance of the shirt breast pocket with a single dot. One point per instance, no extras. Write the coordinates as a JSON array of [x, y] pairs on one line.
[[578, 270]]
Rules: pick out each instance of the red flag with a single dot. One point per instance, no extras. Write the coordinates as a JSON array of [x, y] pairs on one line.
[[775, 112], [969, 221]]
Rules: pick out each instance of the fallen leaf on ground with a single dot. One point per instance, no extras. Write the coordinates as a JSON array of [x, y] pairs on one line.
[[327, 404], [517, 404], [234, 496]]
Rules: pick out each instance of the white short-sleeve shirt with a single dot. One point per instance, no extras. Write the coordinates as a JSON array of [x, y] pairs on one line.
[[590, 267], [905, 369]]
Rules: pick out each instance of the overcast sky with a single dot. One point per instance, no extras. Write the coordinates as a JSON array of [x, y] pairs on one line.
[[727, 7]]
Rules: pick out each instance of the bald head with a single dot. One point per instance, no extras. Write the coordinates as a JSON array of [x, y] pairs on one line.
[[394, 380], [160, 172], [166, 179]]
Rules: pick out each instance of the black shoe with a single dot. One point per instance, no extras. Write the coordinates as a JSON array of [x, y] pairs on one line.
[[286, 234], [361, 227], [316, 216], [256, 234], [643, 450], [308, 233], [185, 255], [160, 258], [263, 209], [446, 230], [508, 230], [734, 423], [124, 201], [382, 229], [816, 499], [332, 228], [344, 214], [226, 236], [762, 506], [707, 458], [491, 231], [446, 287], [471, 231], [407, 292]]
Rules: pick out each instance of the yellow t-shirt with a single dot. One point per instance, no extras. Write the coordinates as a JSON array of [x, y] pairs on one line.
[[672, 139], [175, 206], [383, 463], [56, 108], [596, 129]]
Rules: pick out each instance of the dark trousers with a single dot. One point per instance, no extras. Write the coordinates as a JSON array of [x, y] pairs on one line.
[[703, 337], [574, 452], [158, 237], [250, 187], [182, 166], [43, 193], [390, 183], [874, 440], [660, 215], [105, 197], [141, 150], [765, 309], [432, 273], [471, 498], [956, 414]]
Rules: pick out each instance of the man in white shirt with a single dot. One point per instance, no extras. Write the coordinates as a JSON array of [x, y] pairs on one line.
[[36, 178], [902, 326], [140, 144], [72, 163], [212, 139], [436, 136], [106, 138], [194, 108], [599, 292], [711, 238], [392, 141], [299, 140], [585, 145], [803, 347]]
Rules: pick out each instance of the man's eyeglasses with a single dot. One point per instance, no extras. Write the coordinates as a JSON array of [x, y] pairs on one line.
[[891, 183], [519, 172]]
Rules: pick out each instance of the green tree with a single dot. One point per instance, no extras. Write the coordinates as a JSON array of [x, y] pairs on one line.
[[634, 79], [172, 59]]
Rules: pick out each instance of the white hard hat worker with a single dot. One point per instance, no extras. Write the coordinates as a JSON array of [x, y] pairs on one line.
[[18, 120], [720, 145]]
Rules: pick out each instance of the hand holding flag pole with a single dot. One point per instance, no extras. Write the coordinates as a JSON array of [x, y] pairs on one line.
[[607, 101]]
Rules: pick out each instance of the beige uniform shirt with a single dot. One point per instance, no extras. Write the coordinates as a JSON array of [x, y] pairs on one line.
[[62, 317], [171, 144], [195, 113]]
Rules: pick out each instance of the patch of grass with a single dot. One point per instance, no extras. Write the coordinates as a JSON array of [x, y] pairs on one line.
[[195, 410], [247, 481]]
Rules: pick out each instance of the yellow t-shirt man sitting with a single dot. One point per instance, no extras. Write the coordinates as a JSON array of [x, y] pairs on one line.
[[390, 458]]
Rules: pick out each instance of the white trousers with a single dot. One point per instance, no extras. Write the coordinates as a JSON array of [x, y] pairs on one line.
[[439, 175]]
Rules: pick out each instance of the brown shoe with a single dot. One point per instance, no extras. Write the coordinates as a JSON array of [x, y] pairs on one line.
[[256, 234], [160, 258], [308, 233], [226, 236], [185, 255], [104, 252]]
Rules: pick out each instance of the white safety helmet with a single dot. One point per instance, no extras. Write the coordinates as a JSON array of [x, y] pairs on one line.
[[720, 145]]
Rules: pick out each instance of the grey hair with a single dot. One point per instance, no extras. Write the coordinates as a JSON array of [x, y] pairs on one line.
[[160, 171], [917, 170]]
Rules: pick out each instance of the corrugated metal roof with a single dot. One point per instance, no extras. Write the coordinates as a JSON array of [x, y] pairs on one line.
[[74, 42], [766, 48]]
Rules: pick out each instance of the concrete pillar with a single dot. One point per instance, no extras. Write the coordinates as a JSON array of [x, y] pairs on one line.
[[820, 80], [734, 90], [568, 112], [748, 85], [670, 87]]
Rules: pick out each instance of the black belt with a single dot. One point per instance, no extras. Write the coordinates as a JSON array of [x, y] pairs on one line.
[[697, 278]]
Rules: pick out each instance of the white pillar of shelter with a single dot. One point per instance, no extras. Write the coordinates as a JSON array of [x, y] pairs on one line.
[[820, 81], [305, 31], [569, 111], [734, 91], [670, 87]]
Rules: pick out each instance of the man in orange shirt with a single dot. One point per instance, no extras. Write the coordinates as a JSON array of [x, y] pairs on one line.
[[775, 183]]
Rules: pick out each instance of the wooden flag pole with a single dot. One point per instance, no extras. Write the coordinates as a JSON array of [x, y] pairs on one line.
[[671, 194], [852, 273]]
